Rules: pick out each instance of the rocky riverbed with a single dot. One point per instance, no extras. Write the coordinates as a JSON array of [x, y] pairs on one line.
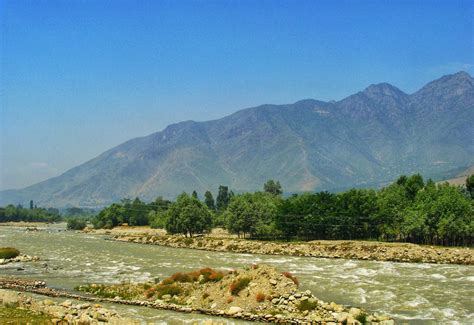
[[19, 259], [51, 312], [360, 250], [258, 293]]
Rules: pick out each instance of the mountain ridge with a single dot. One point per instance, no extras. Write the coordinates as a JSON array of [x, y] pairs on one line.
[[369, 137]]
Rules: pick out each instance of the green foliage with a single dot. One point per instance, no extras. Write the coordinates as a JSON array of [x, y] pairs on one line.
[[8, 252], [362, 318], [252, 214], [238, 285], [470, 185], [273, 187], [188, 216], [18, 213], [307, 305], [209, 201], [76, 223], [223, 198]]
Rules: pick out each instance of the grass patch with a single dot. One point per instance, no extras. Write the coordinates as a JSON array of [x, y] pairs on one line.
[[362, 317], [8, 252], [307, 305], [203, 276], [12, 315], [238, 285], [260, 297]]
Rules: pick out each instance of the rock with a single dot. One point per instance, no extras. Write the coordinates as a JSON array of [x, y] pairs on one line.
[[354, 311], [234, 310], [275, 301], [307, 293], [291, 298], [48, 302], [387, 322], [214, 305], [166, 297], [66, 303], [273, 282], [304, 298]]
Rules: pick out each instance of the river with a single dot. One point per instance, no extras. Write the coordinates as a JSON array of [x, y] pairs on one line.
[[409, 292]]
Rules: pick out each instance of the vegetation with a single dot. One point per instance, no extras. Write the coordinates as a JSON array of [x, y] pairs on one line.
[[260, 297], [8, 252], [76, 223], [292, 277], [239, 285], [307, 305], [409, 210], [33, 214]]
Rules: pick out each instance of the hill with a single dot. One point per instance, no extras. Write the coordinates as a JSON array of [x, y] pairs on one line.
[[366, 139]]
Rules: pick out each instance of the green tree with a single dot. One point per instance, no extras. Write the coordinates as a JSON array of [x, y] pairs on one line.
[[195, 195], [273, 187], [188, 216], [31, 205], [470, 185], [222, 200], [209, 201], [252, 214]]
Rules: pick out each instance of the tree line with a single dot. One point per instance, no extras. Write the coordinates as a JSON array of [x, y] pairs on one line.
[[33, 214], [409, 210]]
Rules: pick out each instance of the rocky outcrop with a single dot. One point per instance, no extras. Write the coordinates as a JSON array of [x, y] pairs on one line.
[[377, 251]]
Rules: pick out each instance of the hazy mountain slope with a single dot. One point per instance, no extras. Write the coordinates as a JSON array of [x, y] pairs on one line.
[[367, 138]]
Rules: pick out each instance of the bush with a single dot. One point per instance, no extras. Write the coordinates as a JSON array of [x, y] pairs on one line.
[[362, 317], [208, 275], [76, 224], [292, 277], [168, 289], [307, 305], [9, 252], [238, 285], [260, 297]]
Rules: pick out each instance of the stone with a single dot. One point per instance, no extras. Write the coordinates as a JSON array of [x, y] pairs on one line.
[[48, 302], [291, 298], [273, 282], [307, 293], [234, 310], [354, 311], [387, 322], [66, 303], [275, 301], [214, 305], [166, 297]]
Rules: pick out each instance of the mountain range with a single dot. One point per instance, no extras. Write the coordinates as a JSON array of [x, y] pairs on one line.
[[366, 139]]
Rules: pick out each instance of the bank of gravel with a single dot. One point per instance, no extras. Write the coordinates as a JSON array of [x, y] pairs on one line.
[[257, 293], [50, 312], [360, 250], [22, 258]]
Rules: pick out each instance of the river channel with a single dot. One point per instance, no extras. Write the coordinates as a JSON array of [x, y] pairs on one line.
[[409, 292]]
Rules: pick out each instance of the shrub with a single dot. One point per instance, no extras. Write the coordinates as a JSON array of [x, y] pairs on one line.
[[362, 317], [238, 285], [172, 290], [208, 275], [292, 277], [307, 305], [205, 295], [76, 224], [150, 292], [9, 252], [260, 297], [230, 300]]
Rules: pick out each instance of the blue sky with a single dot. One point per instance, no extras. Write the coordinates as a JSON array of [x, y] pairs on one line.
[[80, 76]]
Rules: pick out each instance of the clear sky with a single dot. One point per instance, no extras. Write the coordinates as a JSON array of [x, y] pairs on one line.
[[78, 77]]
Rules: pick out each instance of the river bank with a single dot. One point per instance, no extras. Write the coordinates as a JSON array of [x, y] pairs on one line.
[[358, 250], [258, 293], [22, 309]]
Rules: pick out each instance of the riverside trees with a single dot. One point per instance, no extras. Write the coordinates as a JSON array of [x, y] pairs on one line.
[[409, 210]]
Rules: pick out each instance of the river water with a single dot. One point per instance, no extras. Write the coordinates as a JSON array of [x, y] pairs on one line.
[[410, 292]]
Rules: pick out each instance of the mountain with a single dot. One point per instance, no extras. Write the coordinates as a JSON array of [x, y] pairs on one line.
[[366, 139]]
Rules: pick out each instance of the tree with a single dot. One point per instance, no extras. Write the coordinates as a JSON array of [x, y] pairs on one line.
[[222, 200], [273, 187], [412, 185], [209, 201], [31, 205], [188, 216], [470, 185], [195, 195], [252, 214]]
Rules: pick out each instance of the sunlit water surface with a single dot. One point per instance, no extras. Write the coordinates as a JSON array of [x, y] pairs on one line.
[[410, 292]]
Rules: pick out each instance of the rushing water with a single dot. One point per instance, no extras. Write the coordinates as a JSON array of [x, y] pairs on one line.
[[412, 293]]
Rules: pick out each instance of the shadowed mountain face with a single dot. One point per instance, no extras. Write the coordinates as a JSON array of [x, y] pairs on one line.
[[368, 138]]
